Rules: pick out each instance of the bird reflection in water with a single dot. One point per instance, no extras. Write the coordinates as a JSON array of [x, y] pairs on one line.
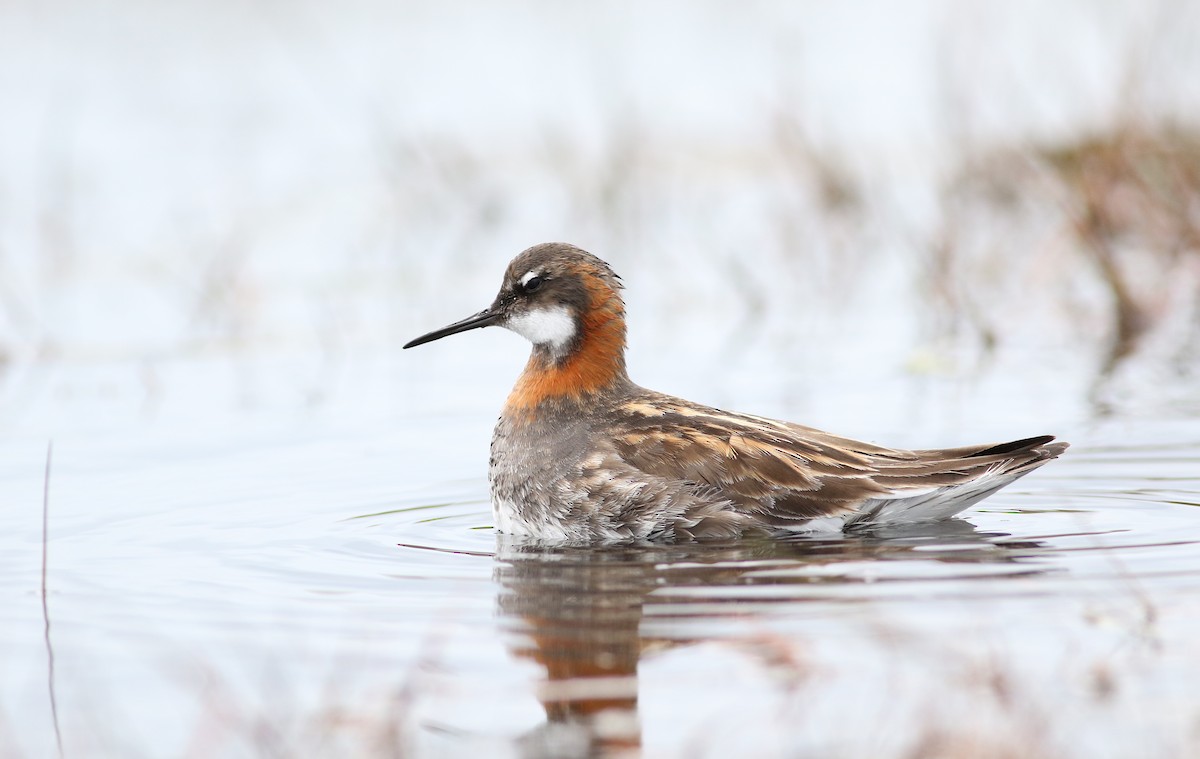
[[577, 611]]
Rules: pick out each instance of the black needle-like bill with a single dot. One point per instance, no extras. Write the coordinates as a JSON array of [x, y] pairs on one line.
[[485, 318]]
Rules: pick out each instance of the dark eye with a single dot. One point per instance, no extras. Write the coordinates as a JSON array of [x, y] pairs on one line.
[[532, 284]]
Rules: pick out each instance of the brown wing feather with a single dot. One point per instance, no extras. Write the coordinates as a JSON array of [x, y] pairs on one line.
[[785, 473], [767, 468]]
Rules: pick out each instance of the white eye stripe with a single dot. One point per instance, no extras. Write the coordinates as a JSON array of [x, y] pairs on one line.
[[528, 276]]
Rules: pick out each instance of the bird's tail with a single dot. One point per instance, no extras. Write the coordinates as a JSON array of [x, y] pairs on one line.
[[983, 470]]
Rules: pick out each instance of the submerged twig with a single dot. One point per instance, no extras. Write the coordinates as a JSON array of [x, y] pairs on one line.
[[45, 603]]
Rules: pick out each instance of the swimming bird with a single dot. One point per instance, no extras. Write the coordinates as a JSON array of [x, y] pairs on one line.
[[582, 454]]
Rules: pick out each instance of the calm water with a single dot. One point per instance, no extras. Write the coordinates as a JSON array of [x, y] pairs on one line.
[[327, 585]]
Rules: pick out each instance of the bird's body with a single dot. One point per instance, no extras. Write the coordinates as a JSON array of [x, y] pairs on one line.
[[583, 454]]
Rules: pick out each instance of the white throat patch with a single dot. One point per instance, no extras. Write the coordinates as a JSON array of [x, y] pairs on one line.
[[552, 327]]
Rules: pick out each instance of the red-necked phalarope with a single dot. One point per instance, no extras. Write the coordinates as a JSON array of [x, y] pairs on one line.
[[582, 454]]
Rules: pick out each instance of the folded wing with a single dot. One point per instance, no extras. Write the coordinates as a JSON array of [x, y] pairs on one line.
[[787, 475]]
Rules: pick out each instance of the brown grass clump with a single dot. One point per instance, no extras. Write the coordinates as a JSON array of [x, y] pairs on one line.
[[1116, 212], [1133, 198]]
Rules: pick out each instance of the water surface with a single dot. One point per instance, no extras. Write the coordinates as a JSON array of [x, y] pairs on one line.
[[332, 586]]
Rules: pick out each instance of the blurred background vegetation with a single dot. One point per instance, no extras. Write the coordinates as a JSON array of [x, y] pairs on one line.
[[939, 184]]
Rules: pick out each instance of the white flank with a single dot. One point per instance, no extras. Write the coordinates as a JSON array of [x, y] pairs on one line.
[[820, 525], [545, 326], [933, 504]]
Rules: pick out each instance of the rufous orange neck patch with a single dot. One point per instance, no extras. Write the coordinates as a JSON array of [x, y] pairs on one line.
[[597, 361]]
